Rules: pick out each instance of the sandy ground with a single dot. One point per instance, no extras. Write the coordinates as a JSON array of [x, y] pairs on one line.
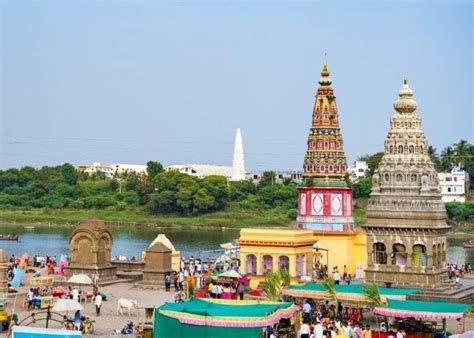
[[108, 319]]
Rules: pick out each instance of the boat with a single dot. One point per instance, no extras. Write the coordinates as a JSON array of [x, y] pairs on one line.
[[469, 244], [9, 237], [29, 227]]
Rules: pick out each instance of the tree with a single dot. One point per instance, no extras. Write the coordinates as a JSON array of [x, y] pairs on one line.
[[217, 187], [268, 178], [203, 201], [432, 152], [330, 286], [69, 173], [362, 187], [447, 158], [153, 168], [461, 150], [275, 282], [372, 161]]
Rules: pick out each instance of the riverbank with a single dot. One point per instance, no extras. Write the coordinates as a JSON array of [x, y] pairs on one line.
[[228, 219]]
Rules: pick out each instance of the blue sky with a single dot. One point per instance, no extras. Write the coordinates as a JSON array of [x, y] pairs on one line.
[[128, 82]]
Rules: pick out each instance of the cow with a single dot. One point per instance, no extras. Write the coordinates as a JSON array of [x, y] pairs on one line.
[[127, 304]]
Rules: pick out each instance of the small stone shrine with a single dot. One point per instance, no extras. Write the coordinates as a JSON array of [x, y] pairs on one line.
[[91, 243], [406, 218], [157, 264], [3, 273]]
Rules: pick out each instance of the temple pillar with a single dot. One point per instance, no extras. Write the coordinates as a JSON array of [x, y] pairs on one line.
[[429, 262], [275, 262], [243, 263], [292, 265], [3, 273], [259, 264]]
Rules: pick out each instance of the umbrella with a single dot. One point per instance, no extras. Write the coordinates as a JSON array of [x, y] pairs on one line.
[[67, 305], [230, 274], [80, 279]]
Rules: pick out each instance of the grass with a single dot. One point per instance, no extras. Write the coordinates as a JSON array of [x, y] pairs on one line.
[[229, 219]]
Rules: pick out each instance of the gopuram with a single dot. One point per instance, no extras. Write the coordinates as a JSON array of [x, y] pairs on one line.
[[91, 243], [325, 202], [406, 218]]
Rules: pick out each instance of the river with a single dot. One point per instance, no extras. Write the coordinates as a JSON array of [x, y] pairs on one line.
[[54, 240]]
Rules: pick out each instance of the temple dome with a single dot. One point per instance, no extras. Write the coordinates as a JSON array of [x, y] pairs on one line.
[[405, 104]]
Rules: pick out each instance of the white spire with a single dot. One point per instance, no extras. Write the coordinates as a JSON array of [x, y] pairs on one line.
[[238, 167]]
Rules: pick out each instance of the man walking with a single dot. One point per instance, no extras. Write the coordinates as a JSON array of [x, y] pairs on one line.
[[98, 303], [241, 290]]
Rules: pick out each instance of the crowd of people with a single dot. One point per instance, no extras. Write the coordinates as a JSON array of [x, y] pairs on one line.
[[457, 272]]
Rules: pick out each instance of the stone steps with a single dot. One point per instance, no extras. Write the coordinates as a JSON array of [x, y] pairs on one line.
[[452, 294]]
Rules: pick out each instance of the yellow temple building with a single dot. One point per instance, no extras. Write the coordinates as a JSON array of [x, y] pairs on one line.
[[325, 232]]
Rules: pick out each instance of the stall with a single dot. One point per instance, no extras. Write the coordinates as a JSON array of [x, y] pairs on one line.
[[347, 293], [214, 318], [422, 310], [43, 296]]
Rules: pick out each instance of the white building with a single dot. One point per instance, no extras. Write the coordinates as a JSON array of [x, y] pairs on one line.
[[121, 168], [96, 167], [236, 172], [280, 176], [202, 170], [111, 169], [358, 171], [454, 185]]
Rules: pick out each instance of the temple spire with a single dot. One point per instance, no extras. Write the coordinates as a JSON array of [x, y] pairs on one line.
[[325, 80]]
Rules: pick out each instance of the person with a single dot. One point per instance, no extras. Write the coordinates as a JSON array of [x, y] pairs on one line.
[[167, 281], [241, 290], [401, 333], [348, 279], [383, 327], [344, 272], [458, 279], [69, 292], [95, 282], [175, 281], [367, 333], [98, 303], [210, 290], [318, 330], [307, 310], [336, 277], [30, 299], [358, 331], [305, 330], [346, 330], [77, 320], [75, 294]]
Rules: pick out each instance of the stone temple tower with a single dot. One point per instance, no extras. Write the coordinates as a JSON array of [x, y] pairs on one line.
[[325, 203], [238, 165], [406, 218]]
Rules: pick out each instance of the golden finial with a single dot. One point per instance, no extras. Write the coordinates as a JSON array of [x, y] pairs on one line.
[[325, 71], [405, 79]]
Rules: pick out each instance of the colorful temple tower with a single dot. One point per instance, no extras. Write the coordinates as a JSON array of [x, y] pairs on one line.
[[325, 200], [325, 204]]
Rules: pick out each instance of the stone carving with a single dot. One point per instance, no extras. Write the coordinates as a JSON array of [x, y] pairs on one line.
[[91, 243], [405, 211]]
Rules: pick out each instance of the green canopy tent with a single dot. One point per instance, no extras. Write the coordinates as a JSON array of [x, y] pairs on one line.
[[352, 293], [212, 318], [423, 310]]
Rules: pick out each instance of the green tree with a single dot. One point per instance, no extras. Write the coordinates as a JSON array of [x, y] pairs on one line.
[[203, 201], [372, 161], [447, 158], [216, 186], [275, 283], [69, 173], [153, 168], [268, 178], [161, 202], [461, 150], [362, 187], [433, 153], [330, 286]]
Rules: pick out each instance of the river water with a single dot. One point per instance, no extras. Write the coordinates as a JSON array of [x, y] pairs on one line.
[[54, 240]]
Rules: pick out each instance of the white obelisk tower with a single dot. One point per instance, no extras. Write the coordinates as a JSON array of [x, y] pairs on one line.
[[238, 166]]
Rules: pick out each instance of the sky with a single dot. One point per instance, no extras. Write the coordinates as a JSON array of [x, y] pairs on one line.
[[129, 82]]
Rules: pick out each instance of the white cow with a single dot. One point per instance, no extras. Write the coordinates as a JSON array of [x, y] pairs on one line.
[[127, 304]]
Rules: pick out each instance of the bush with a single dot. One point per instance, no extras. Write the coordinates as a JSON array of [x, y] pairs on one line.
[[459, 211], [292, 214]]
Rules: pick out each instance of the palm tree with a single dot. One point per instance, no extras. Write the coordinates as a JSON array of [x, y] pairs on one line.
[[461, 152], [275, 282], [372, 294], [432, 152], [447, 158], [330, 286]]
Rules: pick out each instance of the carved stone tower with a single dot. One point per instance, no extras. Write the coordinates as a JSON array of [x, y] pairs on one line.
[[406, 218]]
